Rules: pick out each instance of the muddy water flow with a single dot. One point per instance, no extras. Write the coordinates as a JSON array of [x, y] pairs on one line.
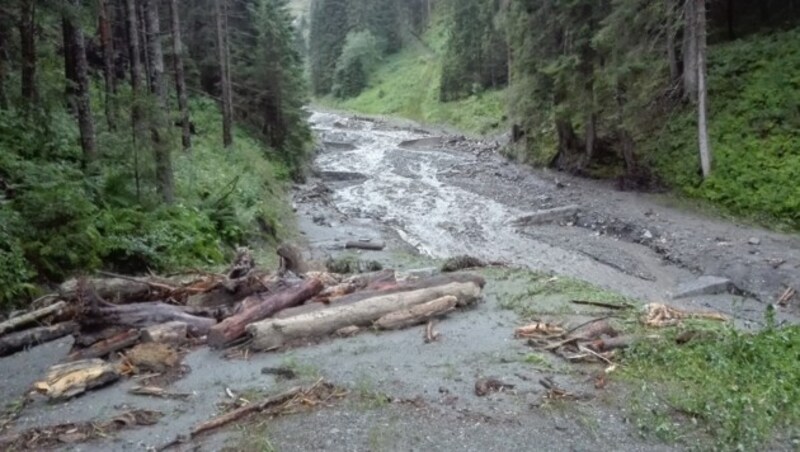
[[405, 188]]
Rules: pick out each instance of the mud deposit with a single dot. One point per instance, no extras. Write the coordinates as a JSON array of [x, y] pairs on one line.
[[433, 197]]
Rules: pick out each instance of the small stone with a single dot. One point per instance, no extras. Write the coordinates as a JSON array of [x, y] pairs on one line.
[[647, 235], [755, 241]]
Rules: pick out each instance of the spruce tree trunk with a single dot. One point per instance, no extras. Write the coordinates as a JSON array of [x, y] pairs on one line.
[[158, 87], [180, 80], [136, 87], [690, 69], [3, 39], [106, 41], [27, 37], [70, 72], [227, 110], [82, 101], [672, 55], [702, 104], [140, 7]]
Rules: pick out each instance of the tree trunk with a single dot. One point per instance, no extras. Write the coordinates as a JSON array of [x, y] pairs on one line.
[[274, 333], [70, 71], [227, 109], [22, 340], [27, 37], [143, 315], [417, 314], [108, 346], [174, 333], [16, 323], [163, 158], [3, 58], [233, 327], [68, 380], [136, 88], [180, 80], [690, 63], [106, 41], [82, 86], [702, 104], [142, 31], [672, 55]]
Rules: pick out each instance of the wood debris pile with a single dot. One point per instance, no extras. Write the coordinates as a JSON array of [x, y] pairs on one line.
[[133, 325]]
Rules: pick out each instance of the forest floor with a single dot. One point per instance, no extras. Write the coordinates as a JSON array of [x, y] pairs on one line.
[[429, 200]]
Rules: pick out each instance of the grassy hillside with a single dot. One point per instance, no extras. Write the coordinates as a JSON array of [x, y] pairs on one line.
[[755, 132], [406, 84]]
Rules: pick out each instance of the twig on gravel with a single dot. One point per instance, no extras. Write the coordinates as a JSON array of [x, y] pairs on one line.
[[603, 305]]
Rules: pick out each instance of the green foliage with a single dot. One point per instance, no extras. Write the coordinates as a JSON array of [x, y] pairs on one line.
[[359, 57], [754, 127], [740, 387], [407, 84], [475, 52]]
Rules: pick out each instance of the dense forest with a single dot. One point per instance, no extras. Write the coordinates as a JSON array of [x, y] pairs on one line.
[[143, 135], [696, 96]]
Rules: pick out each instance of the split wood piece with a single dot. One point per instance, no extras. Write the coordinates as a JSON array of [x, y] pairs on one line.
[[787, 296], [430, 334], [588, 331], [251, 408], [155, 391], [416, 315], [660, 315], [108, 346], [143, 315], [274, 333], [166, 333], [18, 322], [15, 342], [229, 292], [68, 380], [233, 327], [367, 246]]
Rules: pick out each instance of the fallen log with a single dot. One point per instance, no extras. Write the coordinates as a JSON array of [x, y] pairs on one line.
[[367, 246], [15, 342], [118, 289], [273, 333], [18, 322], [107, 346], [239, 413], [613, 343], [229, 292], [68, 380], [408, 286], [143, 315], [260, 307], [166, 333], [417, 314]]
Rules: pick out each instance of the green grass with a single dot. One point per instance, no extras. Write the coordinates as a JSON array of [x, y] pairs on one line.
[[739, 389], [754, 124], [407, 85]]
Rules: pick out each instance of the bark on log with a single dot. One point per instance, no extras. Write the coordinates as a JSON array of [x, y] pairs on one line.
[[22, 340], [108, 346], [143, 315], [613, 343], [367, 246], [407, 286], [417, 314], [233, 291], [118, 290], [70, 379], [166, 333], [16, 323], [273, 333], [234, 327]]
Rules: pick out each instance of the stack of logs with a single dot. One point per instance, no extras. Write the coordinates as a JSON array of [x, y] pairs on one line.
[[264, 310]]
